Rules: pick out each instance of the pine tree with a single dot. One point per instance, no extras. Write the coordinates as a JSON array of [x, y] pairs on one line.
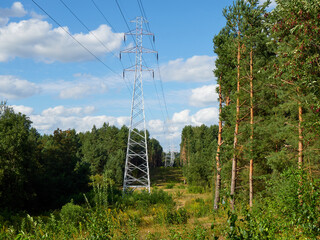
[[245, 27], [296, 31], [254, 37], [234, 16], [224, 72]]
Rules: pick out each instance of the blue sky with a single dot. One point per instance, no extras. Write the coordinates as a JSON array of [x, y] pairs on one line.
[[47, 75]]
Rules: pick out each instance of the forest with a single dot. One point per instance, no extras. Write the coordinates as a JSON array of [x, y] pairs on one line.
[[255, 175]]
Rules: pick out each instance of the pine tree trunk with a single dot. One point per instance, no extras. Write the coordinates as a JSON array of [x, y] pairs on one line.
[[300, 150], [251, 136], [236, 131], [183, 156], [218, 178], [227, 101]]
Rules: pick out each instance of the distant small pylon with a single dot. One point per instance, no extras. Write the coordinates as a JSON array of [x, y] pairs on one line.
[[172, 157], [169, 157]]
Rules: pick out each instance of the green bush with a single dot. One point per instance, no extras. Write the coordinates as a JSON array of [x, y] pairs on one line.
[[179, 216], [145, 199], [170, 215], [297, 199], [72, 213], [199, 208]]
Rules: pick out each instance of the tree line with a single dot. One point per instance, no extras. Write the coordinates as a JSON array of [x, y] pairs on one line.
[[43, 172], [268, 71]]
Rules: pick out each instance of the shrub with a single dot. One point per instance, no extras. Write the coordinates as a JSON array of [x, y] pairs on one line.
[[170, 215], [179, 216], [71, 213], [199, 208], [145, 199]]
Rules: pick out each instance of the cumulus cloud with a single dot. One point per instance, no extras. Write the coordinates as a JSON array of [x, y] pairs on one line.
[[22, 109], [194, 69], [16, 10], [37, 39], [77, 118], [204, 96], [207, 116], [80, 119], [12, 87], [63, 111], [181, 117], [156, 126]]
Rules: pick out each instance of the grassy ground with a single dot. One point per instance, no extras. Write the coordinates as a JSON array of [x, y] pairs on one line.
[[173, 210], [161, 176], [197, 205]]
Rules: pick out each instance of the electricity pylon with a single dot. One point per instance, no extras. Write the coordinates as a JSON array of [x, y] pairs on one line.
[[169, 158], [136, 173], [172, 156]]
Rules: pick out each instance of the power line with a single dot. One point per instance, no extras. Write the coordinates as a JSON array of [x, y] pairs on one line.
[[126, 22], [153, 44], [143, 13], [105, 18], [91, 53], [142, 10], [146, 23], [90, 32]]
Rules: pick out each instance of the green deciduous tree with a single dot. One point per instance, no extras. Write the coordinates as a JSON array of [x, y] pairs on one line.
[[18, 163]]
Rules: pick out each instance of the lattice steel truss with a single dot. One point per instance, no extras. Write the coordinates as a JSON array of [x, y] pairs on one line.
[[169, 158], [172, 156], [136, 173]]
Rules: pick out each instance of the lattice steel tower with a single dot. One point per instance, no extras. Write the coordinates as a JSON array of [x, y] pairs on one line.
[[170, 156], [136, 173]]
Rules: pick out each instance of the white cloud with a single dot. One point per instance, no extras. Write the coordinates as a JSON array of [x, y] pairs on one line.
[[37, 39], [12, 87], [204, 96], [194, 69], [16, 10], [79, 118], [206, 116], [73, 118], [156, 126], [22, 109], [181, 117], [37, 16], [63, 111]]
